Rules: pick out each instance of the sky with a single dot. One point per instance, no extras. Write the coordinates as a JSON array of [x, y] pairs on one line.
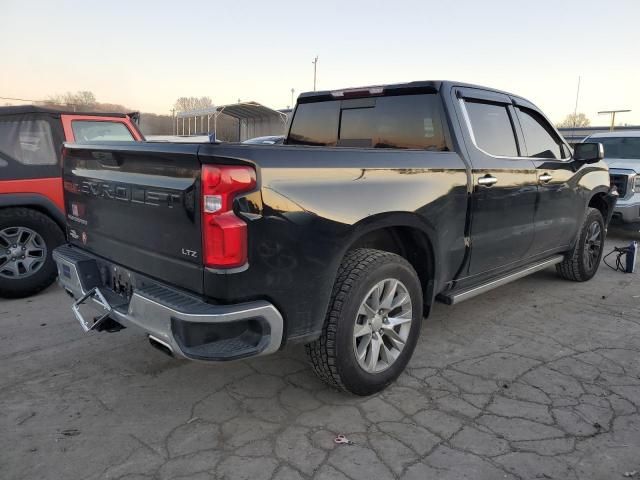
[[146, 54]]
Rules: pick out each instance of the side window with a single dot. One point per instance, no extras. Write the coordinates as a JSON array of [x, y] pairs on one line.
[[492, 129], [92, 131], [28, 142], [315, 124], [401, 122], [539, 137]]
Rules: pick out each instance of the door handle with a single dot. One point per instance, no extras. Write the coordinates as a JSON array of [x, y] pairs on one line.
[[545, 177], [487, 180]]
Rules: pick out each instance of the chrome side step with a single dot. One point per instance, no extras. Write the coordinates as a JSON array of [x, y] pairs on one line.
[[453, 297]]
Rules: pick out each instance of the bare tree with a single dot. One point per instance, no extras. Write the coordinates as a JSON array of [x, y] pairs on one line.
[[574, 120], [184, 104], [83, 99], [153, 124]]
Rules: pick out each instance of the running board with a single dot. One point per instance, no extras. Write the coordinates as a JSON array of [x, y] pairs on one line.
[[453, 297]]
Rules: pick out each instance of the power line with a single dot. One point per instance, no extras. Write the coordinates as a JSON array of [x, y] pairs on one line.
[[613, 116], [39, 101]]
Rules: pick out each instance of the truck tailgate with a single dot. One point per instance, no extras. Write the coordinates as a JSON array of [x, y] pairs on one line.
[[138, 207]]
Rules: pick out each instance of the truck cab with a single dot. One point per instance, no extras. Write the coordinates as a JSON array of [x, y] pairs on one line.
[[31, 199]]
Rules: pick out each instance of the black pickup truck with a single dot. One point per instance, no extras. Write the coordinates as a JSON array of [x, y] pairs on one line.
[[381, 201]]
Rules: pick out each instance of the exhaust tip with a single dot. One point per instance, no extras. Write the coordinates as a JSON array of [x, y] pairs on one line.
[[160, 345]]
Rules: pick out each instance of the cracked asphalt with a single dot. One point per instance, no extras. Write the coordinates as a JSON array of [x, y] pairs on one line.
[[537, 379]]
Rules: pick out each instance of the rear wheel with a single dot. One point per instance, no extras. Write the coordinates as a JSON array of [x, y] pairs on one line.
[[372, 324], [582, 264], [27, 240]]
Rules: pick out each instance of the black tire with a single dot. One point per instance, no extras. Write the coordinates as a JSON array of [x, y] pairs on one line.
[[576, 266], [52, 236], [332, 356]]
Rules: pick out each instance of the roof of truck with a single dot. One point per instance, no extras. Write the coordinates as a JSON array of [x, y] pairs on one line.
[[27, 109], [421, 85]]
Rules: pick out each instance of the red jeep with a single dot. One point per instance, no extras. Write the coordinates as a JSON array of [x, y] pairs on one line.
[[31, 206]]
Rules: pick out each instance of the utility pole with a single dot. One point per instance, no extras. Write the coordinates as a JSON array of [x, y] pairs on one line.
[[173, 122], [613, 116], [575, 110], [315, 68], [292, 92]]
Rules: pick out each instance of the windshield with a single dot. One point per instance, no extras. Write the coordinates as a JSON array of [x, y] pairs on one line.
[[620, 147]]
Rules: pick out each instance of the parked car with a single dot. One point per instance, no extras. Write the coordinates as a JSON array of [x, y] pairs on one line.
[[622, 154], [381, 201], [267, 140], [31, 206]]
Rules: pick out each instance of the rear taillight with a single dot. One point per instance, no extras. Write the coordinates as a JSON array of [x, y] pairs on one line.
[[224, 235]]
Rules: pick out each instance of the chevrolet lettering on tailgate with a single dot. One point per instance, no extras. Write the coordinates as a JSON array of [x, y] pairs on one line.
[[128, 193]]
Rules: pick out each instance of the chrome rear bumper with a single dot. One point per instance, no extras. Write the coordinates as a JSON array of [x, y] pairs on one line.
[[184, 324]]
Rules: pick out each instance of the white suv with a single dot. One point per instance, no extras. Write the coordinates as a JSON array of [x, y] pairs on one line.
[[622, 154]]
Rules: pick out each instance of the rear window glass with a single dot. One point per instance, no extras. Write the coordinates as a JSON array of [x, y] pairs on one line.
[[91, 131], [29, 142], [401, 122], [315, 124], [492, 129]]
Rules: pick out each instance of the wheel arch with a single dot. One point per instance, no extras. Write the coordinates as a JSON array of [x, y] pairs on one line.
[[406, 235], [36, 202], [604, 201]]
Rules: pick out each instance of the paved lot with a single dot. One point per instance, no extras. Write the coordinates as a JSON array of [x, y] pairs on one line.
[[538, 379]]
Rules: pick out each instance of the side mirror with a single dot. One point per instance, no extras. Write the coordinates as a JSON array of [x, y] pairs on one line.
[[588, 152]]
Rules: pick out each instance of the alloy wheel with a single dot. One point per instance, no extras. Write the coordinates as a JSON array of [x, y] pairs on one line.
[[382, 325], [22, 252], [593, 245]]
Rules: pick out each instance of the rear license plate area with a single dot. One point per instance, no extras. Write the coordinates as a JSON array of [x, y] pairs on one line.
[[121, 282]]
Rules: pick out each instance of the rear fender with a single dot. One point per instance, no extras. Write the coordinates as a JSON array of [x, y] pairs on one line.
[[401, 219]]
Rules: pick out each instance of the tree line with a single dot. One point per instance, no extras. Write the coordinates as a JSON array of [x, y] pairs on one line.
[[150, 123]]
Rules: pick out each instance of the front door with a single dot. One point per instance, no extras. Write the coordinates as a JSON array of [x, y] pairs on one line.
[[504, 193], [559, 209]]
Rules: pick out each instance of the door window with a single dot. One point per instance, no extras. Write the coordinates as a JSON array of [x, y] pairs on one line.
[[539, 137], [492, 129]]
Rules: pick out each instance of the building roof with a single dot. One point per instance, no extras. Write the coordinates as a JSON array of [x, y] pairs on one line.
[[248, 110], [26, 109], [241, 111]]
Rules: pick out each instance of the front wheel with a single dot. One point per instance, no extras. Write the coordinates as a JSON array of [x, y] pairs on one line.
[[372, 324], [583, 262]]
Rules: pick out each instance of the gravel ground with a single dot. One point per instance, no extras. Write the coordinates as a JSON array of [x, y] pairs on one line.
[[537, 379]]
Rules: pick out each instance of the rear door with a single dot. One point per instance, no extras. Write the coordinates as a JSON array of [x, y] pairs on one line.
[[504, 182], [560, 206], [136, 205]]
